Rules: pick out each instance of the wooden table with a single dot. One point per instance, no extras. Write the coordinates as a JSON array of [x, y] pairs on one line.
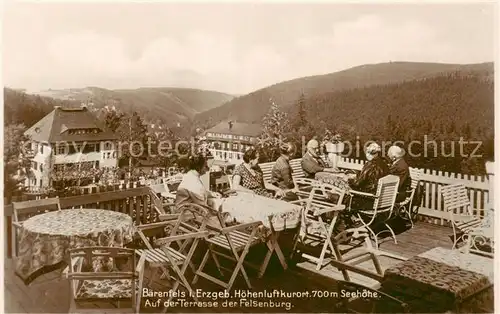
[[444, 280], [275, 215]]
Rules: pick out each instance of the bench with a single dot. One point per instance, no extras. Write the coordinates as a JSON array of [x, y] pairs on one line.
[[267, 169]]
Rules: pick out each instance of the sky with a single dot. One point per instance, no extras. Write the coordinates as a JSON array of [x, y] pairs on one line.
[[235, 48]]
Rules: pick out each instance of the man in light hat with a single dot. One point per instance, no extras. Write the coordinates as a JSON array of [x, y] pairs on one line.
[[400, 168]]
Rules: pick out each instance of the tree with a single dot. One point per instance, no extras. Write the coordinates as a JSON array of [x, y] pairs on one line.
[[133, 134], [162, 153], [275, 126], [300, 119], [113, 119], [16, 159]]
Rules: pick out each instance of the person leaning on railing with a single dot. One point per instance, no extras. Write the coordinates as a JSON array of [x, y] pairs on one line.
[[248, 177], [281, 174]]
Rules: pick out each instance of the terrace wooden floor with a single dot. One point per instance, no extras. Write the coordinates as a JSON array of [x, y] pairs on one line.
[[50, 293]]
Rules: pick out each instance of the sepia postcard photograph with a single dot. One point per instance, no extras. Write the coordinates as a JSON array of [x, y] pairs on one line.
[[249, 156]]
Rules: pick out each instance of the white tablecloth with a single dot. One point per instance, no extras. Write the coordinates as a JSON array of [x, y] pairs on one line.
[[249, 207]]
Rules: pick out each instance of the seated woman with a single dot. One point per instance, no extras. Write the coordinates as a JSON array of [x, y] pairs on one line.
[[367, 180], [374, 169], [248, 177], [281, 174], [191, 190]]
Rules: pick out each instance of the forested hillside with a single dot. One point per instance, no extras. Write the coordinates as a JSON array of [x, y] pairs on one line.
[[160, 105], [445, 109], [21, 108], [252, 107]]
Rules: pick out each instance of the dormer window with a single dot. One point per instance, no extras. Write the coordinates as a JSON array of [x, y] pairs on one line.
[[84, 131]]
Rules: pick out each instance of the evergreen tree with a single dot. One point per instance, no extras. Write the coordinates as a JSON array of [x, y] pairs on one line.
[[276, 126], [300, 119]]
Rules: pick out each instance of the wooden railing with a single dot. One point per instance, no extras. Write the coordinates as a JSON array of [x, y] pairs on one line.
[[136, 202], [432, 205]]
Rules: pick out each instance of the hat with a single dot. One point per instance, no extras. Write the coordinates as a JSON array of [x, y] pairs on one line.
[[312, 144], [395, 151], [287, 148]]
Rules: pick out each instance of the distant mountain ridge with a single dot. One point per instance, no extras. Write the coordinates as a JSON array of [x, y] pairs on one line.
[[253, 106], [167, 104]]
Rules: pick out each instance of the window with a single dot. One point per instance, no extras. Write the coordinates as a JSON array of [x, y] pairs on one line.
[[108, 146], [61, 149], [75, 148], [235, 146], [41, 149], [91, 147], [41, 167]]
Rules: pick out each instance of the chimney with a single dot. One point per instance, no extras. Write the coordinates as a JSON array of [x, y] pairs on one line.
[[230, 123]]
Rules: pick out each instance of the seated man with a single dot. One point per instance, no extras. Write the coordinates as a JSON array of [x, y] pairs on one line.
[[311, 162], [400, 168]]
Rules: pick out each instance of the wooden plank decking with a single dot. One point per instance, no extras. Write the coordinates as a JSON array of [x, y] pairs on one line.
[[50, 294]]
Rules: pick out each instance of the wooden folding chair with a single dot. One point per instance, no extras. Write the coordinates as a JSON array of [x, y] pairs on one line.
[[408, 209], [367, 303], [161, 203], [316, 229], [303, 186], [161, 255], [27, 209], [464, 222], [123, 281], [234, 239]]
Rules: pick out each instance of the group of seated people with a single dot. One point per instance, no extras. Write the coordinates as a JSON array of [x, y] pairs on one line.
[[248, 176]]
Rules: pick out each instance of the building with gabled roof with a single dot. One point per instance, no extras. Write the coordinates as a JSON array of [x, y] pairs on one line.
[[229, 140], [69, 137]]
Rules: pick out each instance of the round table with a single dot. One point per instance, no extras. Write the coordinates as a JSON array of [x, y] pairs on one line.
[[46, 238]]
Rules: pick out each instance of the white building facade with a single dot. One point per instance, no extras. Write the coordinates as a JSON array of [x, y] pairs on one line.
[[69, 138]]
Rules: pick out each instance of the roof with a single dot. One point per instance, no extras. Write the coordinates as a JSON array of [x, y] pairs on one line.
[[55, 127], [238, 128]]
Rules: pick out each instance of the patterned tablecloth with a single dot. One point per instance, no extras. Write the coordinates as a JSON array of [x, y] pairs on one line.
[[443, 280], [46, 238], [249, 207], [337, 179]]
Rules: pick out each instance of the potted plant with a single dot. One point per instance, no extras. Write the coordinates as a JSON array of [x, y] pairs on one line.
[[335, 145]]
